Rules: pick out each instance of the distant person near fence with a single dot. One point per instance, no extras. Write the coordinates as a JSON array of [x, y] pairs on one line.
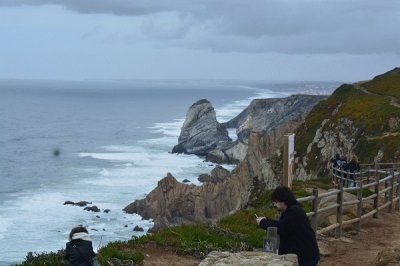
[[353, 167]]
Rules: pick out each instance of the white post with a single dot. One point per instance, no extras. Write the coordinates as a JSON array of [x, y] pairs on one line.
[[288, 160]]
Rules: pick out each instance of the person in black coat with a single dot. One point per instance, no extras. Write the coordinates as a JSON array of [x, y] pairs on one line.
[[296, 234], [79, 250], [353, 167]]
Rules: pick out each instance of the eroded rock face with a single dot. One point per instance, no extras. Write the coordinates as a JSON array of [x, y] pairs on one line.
[[173, 203], [201, 131], [232, 154], [265, 115], [260, 169], [201, 134], [252, 258], [218, 175], [330, 138]]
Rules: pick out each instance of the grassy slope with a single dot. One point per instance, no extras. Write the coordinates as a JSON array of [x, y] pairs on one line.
[[370, 113]]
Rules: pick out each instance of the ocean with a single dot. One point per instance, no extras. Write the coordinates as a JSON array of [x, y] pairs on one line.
[[107, 142]]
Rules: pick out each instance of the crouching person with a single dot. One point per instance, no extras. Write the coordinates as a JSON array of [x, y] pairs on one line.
[[294, 229], [79, 249]]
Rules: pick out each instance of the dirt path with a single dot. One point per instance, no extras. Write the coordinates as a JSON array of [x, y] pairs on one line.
[[393, 100], [158, 256], [362, 249]]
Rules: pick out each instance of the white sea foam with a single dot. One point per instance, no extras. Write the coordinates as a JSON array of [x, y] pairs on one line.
[[232, 134], [171, 129]]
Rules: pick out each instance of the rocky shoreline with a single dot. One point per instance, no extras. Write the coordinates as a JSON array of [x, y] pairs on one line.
[[257, 153]]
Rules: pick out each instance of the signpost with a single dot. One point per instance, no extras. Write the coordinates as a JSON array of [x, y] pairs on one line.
[[288, 160]]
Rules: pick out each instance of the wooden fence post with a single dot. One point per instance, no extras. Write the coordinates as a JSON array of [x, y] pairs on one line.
[[337, 179], [339, 211], [376, 199], [369, 174], [391, 191], [315, 210], [398, 191], [386, 186], [360, 203]]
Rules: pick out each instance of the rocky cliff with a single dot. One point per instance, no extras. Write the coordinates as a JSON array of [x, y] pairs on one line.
[[201, 134], [172, 202], [201, 131], [357, 119], [361, 119], [260, 169], [265, 115]]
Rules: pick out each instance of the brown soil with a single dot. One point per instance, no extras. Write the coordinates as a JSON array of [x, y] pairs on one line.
[[362, 248], [354, 248], [158, 256]]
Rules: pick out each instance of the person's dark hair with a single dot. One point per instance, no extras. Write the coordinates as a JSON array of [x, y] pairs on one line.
[[78, 229], [283, 194]]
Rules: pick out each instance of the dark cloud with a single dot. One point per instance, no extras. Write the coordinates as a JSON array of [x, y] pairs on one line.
[[284, 26]]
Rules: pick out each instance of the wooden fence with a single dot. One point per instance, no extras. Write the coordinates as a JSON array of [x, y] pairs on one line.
[[382, 180]]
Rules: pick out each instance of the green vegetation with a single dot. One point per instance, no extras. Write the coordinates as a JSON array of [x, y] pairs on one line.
[[235, 232], [120, 249], [45, 259], [374, 119], [386, 84], [368, 147]]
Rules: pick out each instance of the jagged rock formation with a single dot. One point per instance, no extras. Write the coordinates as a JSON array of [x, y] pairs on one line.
[[172, 202], [218, 175], [359, 119], [79, 203], [201, 131], [233, 153], [265, 115], [252, 258]]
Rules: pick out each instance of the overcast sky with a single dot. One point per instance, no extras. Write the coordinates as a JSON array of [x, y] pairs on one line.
[[340, 40]]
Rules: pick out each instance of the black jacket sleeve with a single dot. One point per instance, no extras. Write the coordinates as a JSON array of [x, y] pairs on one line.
[[265, 223], [287, 224]]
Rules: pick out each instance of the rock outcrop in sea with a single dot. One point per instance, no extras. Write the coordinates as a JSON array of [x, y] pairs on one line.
[[201, 131]]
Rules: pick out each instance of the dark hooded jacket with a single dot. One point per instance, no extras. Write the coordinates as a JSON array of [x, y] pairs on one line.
[[296, 234], [79, 252]]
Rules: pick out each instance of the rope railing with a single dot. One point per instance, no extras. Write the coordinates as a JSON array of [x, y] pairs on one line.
[[383, 183]]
